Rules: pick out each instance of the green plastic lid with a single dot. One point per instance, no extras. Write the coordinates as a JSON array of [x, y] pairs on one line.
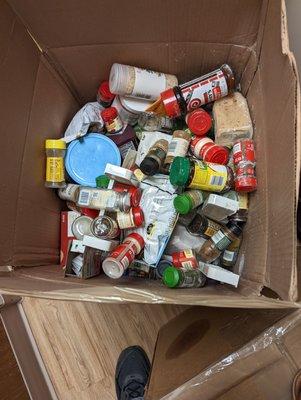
[[179, 171], [183, 204], [171, 277], [102, 181]]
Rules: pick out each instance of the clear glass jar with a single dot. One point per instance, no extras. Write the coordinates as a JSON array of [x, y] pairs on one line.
[[178, 147], [55, 170], [105, 227], [149, 121], [155, 157]]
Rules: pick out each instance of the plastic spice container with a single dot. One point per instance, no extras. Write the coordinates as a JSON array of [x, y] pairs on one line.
[[200, 175], [134, 192], [230, 255], [205, 149], [131, 219], [191, 95], [69, 193], [176, 278], [104, 95], [123, 255], [105, 227], [214, 246], [103, 199], [199, 122], [232, 120], [187, 201], [155, 157], [138, 82], [130, 109], [111, 120], [203, 226], [177, 147], [55, 171], [81, 226], [244, 164], [151, 122], [185, 259]]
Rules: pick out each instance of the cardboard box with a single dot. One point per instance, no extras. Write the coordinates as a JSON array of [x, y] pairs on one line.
[[50, 68], [227, 354]]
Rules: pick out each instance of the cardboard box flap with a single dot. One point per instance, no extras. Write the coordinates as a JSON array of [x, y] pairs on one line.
[[199, 337]]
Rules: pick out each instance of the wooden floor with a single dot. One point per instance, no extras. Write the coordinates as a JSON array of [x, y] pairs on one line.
[[12, 386], [80, 342]]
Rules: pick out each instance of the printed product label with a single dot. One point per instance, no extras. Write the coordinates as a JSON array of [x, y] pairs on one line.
[[210, 89], [212, 229], [211, 177], [193, 278], [220, 240], [148, 84], [124, 220], [228, 255], [84, 197], [68, 192], [197, 197], [55, 169], [243, 201], [177, 147], [115, 126]]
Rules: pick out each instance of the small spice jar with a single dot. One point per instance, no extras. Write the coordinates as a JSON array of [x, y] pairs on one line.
[[138, 82], [199, 122], [81, 226], [187, 201], [200, 175], [185, 259], [244, 164], [151, 122], [122, 256], [214, 246], [134, 192], [111, 120], [104, 95], [130, 108], [69, 193], [155, 157], [131, 219], [241, 216], [161, 267], [177, 278], [105, 227], [230, 255], [203, 226], [55, 171], [205, 149], [177, 147]]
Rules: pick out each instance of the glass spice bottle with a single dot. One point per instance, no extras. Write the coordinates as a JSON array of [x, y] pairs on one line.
[[187, 201], [104, 96], [55, 171], [177, 147], [214, 246], [241, 216], [230, 255], [196, 174], [105, 227], [130, 219], [177, 278], [203, 226], [186, 219], [111, 120], [155, 157], [151, 122], [103, 199]]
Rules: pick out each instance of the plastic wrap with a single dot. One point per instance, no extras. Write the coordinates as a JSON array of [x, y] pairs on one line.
[[273, 356]]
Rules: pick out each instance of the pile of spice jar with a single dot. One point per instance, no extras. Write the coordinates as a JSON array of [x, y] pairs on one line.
[[198, 135]]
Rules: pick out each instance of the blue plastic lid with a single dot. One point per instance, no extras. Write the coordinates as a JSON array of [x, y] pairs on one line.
[[87, 158]]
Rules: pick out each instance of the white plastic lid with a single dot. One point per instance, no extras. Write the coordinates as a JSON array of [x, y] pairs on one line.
[[119, 76], [100, 244], [112, 268], [134, 105], [120, 174]]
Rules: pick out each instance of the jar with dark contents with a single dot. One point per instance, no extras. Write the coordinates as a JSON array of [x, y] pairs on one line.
[[155, 157], [203, 226], [241, 216], [196, 174], [214, 246], [230, 255]]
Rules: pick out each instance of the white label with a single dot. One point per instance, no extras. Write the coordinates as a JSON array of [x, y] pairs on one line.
[[71, 217], [84, 197], [68, 192], [236, 148], [148, 84], [228, 255], [124, 220], [217, 237], [177, 147]]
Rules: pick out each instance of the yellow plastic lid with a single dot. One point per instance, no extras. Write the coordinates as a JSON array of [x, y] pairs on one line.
[[55, 144]]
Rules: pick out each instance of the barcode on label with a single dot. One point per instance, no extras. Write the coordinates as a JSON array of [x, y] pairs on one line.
[[84, 198], [172, 146], [217, 181]]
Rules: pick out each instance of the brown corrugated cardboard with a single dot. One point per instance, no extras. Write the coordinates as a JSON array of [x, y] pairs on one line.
[[240, 354], [40, 86]]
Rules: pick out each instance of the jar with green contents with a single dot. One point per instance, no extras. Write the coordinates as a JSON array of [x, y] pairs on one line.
[[177, 278], [196, 174], [187, 201], [55, 170]]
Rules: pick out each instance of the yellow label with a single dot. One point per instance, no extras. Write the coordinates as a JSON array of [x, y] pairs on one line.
[[188, 253], [243, 200], [55, 169], [212, 177], [209, 231], [139, 174]]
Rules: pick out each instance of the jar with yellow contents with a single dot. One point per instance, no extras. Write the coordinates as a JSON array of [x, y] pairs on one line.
[[55, 171]]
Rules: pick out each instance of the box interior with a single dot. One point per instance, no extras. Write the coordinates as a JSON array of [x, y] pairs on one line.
[[53, 57]]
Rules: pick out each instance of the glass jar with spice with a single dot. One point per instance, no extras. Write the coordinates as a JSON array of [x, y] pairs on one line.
[[196, 174], [111, 119], [187, 201], [177, 278], [155, 157], [203, 226], [214, 246], [130, 219], [241, 216], [149, 121], [230, 255], [103, 199], [177, 147], [105, 227], [104, 95], [55, 171]]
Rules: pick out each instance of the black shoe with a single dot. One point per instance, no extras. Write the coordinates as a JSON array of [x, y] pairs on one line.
[[132, 373]]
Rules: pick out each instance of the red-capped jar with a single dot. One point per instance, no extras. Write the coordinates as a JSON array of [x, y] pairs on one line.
[[191, 95], [185, 259], [104, 95], [134, 192], [123, 255], [131, 219], [205, 149], [199, 122], [111, 120], [244, 164]]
